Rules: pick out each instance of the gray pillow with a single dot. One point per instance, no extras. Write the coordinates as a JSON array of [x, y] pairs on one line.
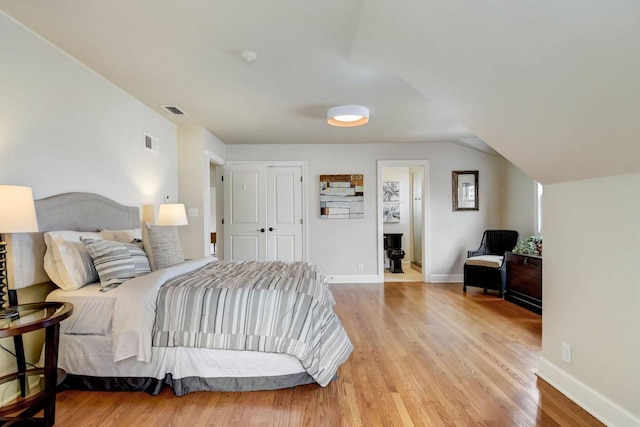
[[162, 244], [116, 262]]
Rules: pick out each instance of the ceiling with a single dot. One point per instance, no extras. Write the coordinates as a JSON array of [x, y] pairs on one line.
[[550, 85]]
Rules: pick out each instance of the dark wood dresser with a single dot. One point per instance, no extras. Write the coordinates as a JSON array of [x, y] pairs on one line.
[[524, 281]]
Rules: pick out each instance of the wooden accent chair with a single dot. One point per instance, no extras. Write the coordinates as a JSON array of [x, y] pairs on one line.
[[485, 267]]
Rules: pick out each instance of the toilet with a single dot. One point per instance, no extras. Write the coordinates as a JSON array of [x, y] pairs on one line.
[[393, 247]]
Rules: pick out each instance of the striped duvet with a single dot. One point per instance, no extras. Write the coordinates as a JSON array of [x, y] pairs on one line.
[[273, 307]]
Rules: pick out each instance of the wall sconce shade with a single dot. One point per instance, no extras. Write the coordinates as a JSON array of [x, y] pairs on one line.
[[348, 116], [172, 214]]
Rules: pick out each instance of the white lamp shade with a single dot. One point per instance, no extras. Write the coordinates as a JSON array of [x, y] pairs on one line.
[[172, 214], [17, 210], [348, 115]]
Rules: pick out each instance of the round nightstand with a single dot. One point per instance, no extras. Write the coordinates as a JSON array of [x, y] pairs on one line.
[[34, 388]]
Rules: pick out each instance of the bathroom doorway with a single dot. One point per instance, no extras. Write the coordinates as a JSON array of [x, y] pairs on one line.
[[402, 220]]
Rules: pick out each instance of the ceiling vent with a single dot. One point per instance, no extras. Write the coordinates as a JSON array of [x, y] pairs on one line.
[[174, 110]]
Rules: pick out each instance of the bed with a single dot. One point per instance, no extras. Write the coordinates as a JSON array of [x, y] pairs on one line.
[[248, 325]]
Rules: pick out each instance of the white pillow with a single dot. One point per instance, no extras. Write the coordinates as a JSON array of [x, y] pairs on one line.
[[126, 236], [67, 261]]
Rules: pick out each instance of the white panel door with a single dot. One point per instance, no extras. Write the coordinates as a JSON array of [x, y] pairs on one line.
[[284, 213], [245, 212], [263, 212]]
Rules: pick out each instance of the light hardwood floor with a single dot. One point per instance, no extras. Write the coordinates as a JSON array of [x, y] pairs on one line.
[[425, 355]]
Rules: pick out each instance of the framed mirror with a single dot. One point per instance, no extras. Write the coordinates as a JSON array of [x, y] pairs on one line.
[[465, 190]]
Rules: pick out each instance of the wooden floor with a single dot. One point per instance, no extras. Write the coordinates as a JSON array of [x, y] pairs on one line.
[[425, 355]]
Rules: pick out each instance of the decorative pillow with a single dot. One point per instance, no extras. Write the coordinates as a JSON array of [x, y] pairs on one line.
[[67, 261], [162, 245], [116, 262]]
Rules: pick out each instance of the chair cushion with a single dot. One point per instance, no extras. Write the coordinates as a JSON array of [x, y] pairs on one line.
[[492, 261]]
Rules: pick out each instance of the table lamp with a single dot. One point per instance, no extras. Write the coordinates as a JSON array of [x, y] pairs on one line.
[[17, 215], [172, 214]]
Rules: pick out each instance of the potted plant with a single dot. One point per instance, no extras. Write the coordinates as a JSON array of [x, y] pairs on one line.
[[532, 245]]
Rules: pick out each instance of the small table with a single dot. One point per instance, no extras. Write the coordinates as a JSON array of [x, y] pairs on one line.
[[35, 388]]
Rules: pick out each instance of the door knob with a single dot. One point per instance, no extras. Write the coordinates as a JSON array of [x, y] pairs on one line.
[[260, 230], [272, 229]]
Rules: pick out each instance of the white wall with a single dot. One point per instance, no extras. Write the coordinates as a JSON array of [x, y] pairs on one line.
[[64, 128], [591, 294], [401, 175], [338, 246], [518, 201], [194, 183]]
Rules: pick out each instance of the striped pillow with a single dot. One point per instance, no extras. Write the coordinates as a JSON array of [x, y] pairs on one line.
[[116, 262]]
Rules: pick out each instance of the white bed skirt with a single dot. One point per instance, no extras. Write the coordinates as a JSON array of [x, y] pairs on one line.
[[91, 355]]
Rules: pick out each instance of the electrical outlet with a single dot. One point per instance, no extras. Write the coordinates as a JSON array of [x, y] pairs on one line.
[[193, 212], [566, 353], [360, 267]]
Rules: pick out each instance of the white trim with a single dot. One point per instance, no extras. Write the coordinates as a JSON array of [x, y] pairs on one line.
[[591, 400], [347, 278], [446, 278], [214, 158]]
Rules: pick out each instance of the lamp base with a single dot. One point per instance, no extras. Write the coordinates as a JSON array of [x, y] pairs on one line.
[[8, 313]]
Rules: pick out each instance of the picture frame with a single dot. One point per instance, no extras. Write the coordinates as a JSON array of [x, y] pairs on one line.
[[465, 191]]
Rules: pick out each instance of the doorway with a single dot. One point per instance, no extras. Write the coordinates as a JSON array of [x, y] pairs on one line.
[[416, 180], [402, 217], [213, 209]]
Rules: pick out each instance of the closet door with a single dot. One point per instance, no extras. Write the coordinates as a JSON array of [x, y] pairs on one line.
[[284, 213], [263, 212], [245, 234]]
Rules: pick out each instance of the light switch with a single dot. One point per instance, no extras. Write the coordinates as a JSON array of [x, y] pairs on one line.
[[193, 212]]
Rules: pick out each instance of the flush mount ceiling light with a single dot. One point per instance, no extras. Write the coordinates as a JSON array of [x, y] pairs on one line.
[[348, 116]]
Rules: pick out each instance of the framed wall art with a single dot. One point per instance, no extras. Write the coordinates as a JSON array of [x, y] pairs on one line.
[[391, 201], [465, 190], [342, 196]]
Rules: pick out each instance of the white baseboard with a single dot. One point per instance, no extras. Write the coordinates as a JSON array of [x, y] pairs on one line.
[[446, 278], [348, 278], [592, 401]]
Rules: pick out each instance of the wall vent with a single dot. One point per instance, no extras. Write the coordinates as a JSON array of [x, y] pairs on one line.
[[174, 110], [151, 143]]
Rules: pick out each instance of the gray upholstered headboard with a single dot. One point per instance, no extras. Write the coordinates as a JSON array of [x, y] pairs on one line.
[[69, 211]]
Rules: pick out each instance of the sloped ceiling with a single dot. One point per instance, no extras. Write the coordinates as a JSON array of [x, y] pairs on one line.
[[553, 86], [549, 85]]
